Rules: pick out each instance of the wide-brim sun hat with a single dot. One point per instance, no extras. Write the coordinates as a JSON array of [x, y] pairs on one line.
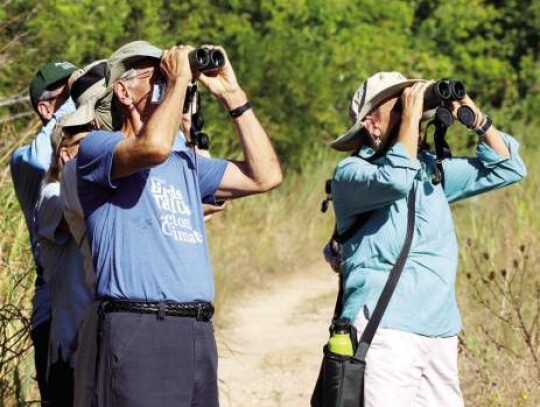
[[118, 63], [372, 92], [82, 116], [89, 83]]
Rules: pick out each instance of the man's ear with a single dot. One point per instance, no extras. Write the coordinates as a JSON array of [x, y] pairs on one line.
[[121, 91], [371, 124], [45, 110]]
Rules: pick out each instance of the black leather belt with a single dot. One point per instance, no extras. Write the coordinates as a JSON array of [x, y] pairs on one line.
[[202, 311]]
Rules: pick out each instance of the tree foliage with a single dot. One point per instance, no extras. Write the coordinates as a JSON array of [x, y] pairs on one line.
[[299, 60]]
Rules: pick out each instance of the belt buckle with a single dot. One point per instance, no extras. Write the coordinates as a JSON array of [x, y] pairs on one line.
[[200, 312], [161, 310]]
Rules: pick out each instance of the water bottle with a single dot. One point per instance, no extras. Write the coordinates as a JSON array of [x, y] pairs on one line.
[[340, 341]]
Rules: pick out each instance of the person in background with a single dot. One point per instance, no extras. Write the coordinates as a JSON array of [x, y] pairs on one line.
[[412, 361], [49, 95], [85, 91], [62, 264]]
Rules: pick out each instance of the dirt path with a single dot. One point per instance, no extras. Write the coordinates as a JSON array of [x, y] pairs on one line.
[[271, 351]]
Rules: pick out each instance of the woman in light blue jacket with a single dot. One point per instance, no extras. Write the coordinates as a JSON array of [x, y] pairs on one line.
[[413, 358]]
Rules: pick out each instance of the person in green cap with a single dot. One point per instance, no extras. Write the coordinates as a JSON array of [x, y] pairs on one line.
[[49, 95]]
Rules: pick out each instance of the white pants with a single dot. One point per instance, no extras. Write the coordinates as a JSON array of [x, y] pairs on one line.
[[409, 370]]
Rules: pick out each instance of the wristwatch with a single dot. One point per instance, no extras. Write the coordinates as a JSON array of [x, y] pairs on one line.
[[239, 111], [482, 130]]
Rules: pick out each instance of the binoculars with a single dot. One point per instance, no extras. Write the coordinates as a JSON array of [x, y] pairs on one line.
[[205, 60], [438, 94], [446, 90]]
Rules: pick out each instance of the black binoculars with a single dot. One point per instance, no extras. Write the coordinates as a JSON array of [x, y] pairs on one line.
[[206, 60], [439, 93]]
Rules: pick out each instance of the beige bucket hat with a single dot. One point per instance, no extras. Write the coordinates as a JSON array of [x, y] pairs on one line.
[[83, 115], [118, 62], [372, 92]]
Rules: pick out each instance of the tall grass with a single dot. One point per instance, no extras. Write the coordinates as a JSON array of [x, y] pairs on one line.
[[499, 293], [259, 241], [17, 387]]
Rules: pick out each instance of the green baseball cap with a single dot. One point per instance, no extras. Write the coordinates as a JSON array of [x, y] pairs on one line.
[[119, 62], [48, 75]]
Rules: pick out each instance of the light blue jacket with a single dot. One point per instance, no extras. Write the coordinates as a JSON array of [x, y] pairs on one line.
[[28, 165], [424, 301]]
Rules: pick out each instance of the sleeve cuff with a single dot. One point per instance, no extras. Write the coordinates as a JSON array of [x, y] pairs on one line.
[[490, 158]]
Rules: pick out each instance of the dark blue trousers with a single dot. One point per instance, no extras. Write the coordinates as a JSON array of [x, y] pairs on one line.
[[145, 361], [40, 339]]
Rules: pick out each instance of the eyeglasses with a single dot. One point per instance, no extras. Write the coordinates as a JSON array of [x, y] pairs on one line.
[[132, 74], [70, 134]]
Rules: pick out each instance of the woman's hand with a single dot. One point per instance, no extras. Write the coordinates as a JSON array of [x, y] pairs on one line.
[[467, 101], [412, 102]]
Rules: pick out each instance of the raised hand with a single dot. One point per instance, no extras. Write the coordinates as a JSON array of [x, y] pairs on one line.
[[412, 101], [175, 64], [224, 84], [467, 101]]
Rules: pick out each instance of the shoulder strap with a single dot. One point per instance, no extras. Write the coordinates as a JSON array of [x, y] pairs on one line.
[[388, 290]]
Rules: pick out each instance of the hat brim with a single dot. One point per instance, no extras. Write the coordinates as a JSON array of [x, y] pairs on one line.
[[130, 52], [350, 140], [95, 91], [84, 115]]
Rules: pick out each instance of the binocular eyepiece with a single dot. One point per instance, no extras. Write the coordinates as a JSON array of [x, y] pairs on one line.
[[206, 60], [446, 90]]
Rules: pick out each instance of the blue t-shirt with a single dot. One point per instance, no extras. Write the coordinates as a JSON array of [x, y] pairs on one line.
[[28, 165], [146, 230], [424, 301]]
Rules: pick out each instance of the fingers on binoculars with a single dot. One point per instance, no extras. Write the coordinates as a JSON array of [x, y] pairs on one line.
[[420, 87], [411, 91], [218, 47]]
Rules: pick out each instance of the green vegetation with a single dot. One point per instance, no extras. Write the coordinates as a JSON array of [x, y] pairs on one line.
[[301, 61]]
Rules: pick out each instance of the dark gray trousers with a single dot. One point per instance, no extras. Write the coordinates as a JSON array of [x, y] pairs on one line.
[[145, 361]]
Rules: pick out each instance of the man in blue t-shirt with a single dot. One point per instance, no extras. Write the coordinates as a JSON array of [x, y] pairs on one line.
[[49, 95], [141, 196]]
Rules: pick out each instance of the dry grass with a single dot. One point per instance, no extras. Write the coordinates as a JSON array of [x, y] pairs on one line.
[[17, 387], [499, 295]]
